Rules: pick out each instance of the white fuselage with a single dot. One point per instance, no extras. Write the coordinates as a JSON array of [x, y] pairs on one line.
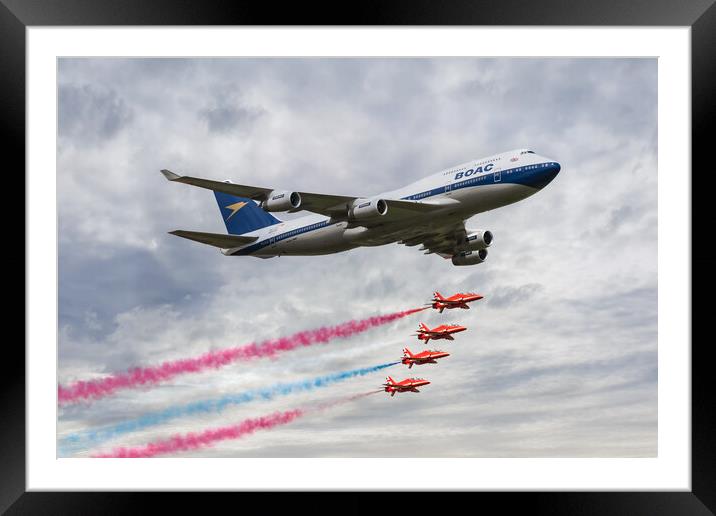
[[477, 186]]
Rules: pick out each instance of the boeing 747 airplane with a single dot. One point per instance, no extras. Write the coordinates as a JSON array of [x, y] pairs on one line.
[[430, 212]]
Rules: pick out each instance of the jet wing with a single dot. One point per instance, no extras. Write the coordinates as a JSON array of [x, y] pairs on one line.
[[440, 240], [334, 206], [216, 239]]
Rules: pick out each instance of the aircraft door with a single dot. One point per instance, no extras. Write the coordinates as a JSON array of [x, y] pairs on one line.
[[498, 176]]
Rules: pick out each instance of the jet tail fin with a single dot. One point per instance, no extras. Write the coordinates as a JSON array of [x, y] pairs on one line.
[[242, 215], [438, 295], [407, 352]]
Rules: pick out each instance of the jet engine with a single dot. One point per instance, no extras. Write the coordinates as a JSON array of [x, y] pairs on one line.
[[368, 208], [478, 239], [281, 200], [470, 257]]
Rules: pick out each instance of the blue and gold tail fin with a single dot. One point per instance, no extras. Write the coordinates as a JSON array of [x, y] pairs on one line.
[[242, 215]]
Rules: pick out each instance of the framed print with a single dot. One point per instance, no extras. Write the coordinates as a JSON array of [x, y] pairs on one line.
[[529, 331]]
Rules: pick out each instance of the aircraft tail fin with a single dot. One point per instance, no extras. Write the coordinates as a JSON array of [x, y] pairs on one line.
[[389, 380], [424, 327], [438, 295], [242, 215], [407, 352]]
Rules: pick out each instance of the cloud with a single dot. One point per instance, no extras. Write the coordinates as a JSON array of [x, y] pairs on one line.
[[509, 296], [89, 114], [559, 358], [226, 112]]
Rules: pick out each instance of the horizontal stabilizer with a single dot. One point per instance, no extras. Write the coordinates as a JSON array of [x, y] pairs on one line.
[[216, 239]]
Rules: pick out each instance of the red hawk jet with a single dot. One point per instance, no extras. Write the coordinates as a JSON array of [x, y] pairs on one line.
[[409, 384], [424, 357], [458, 300], [444, 331]]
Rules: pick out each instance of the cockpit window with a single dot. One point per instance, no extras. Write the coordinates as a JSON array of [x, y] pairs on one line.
[[527, 152]]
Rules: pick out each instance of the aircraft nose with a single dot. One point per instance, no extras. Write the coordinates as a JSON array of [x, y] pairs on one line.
[[544, 173]]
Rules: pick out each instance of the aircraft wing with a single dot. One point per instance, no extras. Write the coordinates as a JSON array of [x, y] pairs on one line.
[[216, 239], [441, 240], [335, 206]]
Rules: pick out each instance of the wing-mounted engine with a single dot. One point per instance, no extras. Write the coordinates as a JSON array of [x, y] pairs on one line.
[[469, 257], [282, 200], [367, 209], [462, 246], [478, 239]]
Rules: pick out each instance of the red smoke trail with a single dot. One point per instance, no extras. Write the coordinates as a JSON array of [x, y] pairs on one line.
[[193, 440], [95, 389]]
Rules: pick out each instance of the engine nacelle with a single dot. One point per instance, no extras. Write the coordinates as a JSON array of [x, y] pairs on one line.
[[470, 257], [478, 239], [281, 200], [368, 208]]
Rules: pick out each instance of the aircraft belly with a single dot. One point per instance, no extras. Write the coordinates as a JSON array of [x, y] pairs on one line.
[[389, 233], [488, 197], [324, 241]]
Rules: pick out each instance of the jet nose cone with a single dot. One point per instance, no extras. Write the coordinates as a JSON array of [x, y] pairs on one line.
[[543, 174]]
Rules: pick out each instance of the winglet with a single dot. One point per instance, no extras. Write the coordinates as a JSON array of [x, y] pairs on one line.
[[171, 176]]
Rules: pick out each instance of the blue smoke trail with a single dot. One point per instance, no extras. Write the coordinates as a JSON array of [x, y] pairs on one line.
[[82, 439]]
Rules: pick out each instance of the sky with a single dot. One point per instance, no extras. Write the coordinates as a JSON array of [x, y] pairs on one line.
[[560, 358]]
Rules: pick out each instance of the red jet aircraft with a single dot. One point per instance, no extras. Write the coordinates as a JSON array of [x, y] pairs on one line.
[[459, 300], [424, 357], [409, 384], [444, 331]]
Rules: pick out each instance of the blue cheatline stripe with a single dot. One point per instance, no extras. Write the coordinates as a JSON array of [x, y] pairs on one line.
[[535, 176], [84, 439], [282, 236]]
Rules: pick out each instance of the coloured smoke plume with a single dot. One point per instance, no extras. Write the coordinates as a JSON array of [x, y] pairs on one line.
[[141, 376], [216, 405], [196, 440]]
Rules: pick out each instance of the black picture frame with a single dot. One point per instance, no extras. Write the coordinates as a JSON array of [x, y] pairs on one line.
[[700, 15]]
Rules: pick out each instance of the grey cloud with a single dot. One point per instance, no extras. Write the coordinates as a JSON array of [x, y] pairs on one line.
[[88, 114], [506, 296], [225, 118]]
